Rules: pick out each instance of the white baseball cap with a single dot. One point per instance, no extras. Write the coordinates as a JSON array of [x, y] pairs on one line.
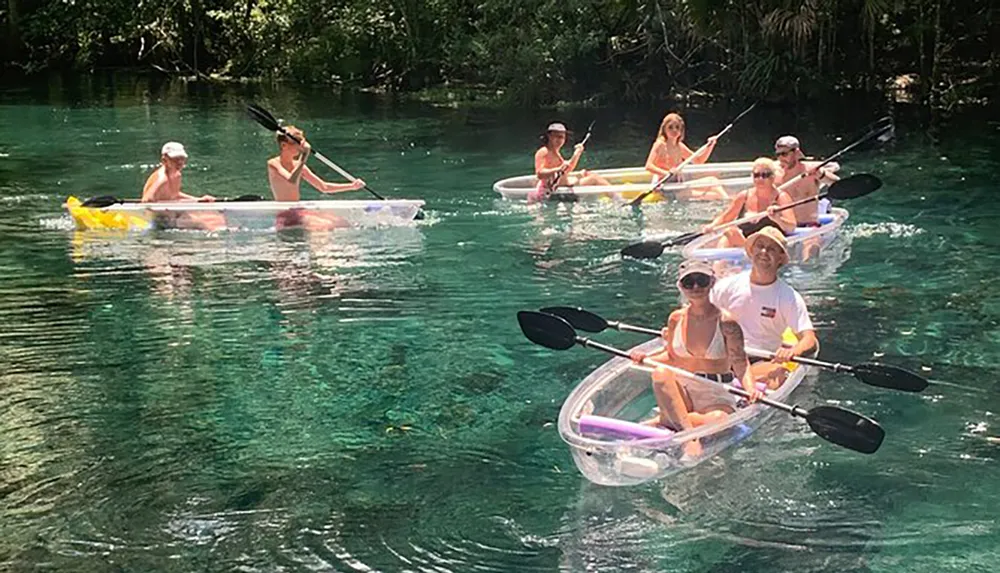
[[173, 150], [786, 142]]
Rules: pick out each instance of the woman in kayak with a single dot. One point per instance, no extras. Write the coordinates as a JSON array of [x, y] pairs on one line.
[[669, 151], [554, 172], [699, 338], [763, 197]]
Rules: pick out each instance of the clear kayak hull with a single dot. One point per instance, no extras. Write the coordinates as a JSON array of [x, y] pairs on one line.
[[627, 183], [804, 244], [242, 215], [601, 421]]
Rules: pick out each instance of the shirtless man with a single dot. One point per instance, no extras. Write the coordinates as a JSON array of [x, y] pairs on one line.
[[790, 158], [765, 306], [164, 185], [286, 171]]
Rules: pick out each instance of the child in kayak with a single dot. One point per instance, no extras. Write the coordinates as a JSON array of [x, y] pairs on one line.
[[554, 172], [164, 185], [703, 339], [285, 173], [669, 151]]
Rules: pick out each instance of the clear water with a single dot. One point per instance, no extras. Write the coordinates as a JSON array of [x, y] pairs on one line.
[[364, 400]]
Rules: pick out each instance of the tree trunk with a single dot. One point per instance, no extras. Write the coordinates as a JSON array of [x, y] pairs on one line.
[[13, 30], [871, 55], [994, 40], [935, 92]]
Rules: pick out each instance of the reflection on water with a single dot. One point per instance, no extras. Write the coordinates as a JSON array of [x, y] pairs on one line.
[[364, 400]]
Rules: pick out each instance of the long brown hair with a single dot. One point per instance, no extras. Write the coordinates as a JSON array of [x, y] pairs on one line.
[[670, 119]]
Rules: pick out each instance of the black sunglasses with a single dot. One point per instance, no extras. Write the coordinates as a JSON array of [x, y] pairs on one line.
[[763, 174], [696, 280]]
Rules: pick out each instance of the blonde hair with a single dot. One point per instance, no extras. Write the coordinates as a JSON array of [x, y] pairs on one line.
[[765, 162], [291, 129], [671, 119]]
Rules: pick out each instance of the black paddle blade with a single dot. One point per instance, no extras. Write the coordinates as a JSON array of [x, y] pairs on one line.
[[892, 377], [845, 428], [855, 186], [101, 201], [683, 239], [643, 250], [263, 117], [578, 318], [246, 198], [876, 134], [546, 330]]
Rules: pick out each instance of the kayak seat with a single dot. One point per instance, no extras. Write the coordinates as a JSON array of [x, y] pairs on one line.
[[824, 219], [602, 426]]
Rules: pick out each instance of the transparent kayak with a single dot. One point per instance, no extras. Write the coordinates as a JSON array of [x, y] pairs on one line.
[[242, 215], [803, 241], [627, 183], [601, 421]]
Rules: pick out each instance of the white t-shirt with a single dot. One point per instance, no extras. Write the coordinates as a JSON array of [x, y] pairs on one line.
[[763, 312]]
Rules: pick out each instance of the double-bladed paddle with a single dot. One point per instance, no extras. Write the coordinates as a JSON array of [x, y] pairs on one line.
[[836, 425], [638, 200], [879, 131], [851, 187], [269, 122], [870, 373], [101, 201]]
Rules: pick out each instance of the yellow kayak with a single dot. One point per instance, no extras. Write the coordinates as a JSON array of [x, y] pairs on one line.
[[87, 218]]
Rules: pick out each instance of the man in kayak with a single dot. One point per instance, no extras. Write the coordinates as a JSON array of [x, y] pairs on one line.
[[285, 173], [164, 185], [790, 158], [807, 183], [765, 306]]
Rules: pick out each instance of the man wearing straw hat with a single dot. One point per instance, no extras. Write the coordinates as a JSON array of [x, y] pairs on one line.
[[765, 306]]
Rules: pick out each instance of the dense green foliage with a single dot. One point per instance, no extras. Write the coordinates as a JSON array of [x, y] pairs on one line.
[[538, 51]]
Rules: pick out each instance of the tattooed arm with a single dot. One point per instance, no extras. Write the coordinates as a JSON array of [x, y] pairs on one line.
[[738, 360]]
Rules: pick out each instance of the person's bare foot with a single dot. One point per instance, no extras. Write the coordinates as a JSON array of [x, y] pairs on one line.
[[693, 449]]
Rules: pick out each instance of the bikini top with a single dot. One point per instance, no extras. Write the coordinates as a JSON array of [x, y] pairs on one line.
[[743, 208], [716, 349]]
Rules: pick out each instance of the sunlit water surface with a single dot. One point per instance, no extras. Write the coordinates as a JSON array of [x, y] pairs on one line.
[[364, 401]]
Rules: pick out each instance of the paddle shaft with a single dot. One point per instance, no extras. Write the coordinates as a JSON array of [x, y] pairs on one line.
[[793, 410], [757, 216], [560, 173], [671, 172], [685, 163], [755, 351], [836, 367], [803, 175], [329, 163]]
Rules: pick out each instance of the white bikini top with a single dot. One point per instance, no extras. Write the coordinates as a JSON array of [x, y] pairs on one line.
[[716, 349]]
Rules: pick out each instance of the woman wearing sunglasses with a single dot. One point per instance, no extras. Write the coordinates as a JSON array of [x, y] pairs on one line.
[[762, 197], [703, 339], [553, 171], [669, 151]]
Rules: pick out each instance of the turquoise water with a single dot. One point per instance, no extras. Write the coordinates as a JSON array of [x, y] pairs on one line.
[[363, 400]]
